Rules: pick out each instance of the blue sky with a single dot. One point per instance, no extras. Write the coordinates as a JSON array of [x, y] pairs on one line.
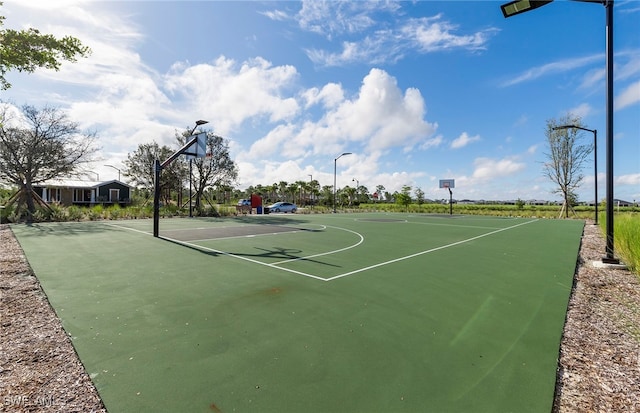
[[416, 91]]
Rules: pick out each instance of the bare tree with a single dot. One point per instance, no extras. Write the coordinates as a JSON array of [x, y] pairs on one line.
[[214, 170], [139, 169], [37, 145], [565, 158]]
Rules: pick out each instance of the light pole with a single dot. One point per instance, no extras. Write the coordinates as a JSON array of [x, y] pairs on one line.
[[595, 160], [357, 186], [311, 189], [198, 123], [335, 162], [520, 6], [111, 166]]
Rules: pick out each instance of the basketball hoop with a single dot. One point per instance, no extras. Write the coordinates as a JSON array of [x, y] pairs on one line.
[[447, 183]]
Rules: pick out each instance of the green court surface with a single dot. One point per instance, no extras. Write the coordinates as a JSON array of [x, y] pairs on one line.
[[313, 313]]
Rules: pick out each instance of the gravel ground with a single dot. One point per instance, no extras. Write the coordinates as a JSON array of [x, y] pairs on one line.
[[598, 369]]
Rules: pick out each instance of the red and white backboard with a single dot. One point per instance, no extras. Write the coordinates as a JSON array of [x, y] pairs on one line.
[[448, 183]]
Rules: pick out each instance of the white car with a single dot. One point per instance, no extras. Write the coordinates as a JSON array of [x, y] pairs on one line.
[[283, 207]]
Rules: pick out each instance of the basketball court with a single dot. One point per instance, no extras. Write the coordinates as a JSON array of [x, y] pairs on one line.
[[315, 313]]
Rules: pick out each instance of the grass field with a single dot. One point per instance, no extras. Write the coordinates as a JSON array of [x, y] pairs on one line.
[[314, 313]]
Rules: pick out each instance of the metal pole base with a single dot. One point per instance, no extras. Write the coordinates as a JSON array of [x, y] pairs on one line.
[[607, 260]]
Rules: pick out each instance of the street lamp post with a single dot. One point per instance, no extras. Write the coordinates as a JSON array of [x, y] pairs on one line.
[[357, 186], [111, 166], [595, 160], [198, 123], [520, 6], [311, 189], [335, 162]]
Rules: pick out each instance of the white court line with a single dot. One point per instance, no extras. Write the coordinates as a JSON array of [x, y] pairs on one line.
[[228, 254], [248, 236], [425, 252], [274, 266], [295, 231], [223, 226], [322, 227], [129, 229], [449, 225], [328, 252], [200, 247]]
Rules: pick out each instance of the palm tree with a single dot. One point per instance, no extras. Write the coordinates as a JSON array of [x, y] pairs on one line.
[[314, 188], [270, 191], [379, 191], [282, 190], [292, 190], [327, 194], [351, 194]]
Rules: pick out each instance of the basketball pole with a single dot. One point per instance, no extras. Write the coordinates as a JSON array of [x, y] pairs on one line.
[[156, 197], [157, 169]]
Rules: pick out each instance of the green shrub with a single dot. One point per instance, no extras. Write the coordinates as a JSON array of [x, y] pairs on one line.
[[75, 213], [145, 211], [114, 212], [58, 213], [6, 213], [94, 214]]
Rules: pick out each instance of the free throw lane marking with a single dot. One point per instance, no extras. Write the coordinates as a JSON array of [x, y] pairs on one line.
[[328, 252]]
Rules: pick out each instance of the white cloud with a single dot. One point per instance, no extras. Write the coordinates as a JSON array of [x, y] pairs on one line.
[[330, 95], [278, 15], [582, 111], [432, 142], [487, 169], [629, 96], [592, 78], [522, 120], [631, 179], [234, 92], [380, 116], [271, 143], [432, 34], [331, 18], [552, 68], [630, 68], [383, 45], [463, 140]]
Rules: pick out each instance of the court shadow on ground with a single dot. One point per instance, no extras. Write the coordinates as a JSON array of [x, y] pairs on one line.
[[270, 219], [63, 228], [268, 253]]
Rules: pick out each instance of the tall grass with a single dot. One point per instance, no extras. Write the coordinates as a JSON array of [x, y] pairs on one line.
[[529, 211], [626, 239]]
